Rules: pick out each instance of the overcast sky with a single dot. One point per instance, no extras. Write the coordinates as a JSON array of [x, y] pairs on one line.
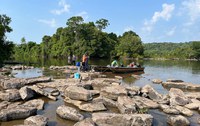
[[152, 20]]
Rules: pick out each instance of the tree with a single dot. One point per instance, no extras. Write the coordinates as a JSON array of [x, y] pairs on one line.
[[196, 49], [102, 24], [5, 46], [130, 45]]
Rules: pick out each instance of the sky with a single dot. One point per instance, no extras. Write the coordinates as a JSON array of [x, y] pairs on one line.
[[152, 20]]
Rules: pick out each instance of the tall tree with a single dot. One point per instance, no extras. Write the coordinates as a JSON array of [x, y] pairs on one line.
[[5, 46]]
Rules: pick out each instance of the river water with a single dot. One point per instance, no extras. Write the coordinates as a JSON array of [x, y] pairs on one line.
[[188, 71]]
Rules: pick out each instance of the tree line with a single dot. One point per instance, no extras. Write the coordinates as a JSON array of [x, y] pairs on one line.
[[78, 37]]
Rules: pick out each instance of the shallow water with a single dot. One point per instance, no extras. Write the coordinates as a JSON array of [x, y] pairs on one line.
[[184, 70]]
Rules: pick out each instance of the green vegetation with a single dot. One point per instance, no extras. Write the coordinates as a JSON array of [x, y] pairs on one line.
[[187, 50]]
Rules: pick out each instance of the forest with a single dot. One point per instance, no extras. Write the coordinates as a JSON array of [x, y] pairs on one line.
[[79, 37]]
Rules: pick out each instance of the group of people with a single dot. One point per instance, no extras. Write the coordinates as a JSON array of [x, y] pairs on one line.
[[116, 64]]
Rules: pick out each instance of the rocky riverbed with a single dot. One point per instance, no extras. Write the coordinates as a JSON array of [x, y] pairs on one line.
[[95, 99]]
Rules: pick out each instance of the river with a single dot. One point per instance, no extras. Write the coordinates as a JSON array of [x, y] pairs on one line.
[[188, 71]]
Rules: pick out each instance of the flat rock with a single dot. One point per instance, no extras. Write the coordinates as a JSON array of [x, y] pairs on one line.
[[126, 105], [37, 103], [93, 107], [113, 92], [178, 121], [146, 102], [10, 95], [85, 122], [111, 119]]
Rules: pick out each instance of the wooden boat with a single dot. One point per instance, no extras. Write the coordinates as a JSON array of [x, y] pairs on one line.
[[118, 69]]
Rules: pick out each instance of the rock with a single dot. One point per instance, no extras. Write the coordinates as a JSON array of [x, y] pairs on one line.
[[178, 121], [94, 92], [37, 120], [93, 107], [111, 119], [169, 109], [37, 103], [151, 93], [66, 112], [4, 104], [181, 85], [85, 122], [113, 92], [78, 93], [10, 95], [184, 111], [136, 76], [26, 93], [20, 112], [12, 83], [133, 90], [126, 105], [119, 77], [174, 80], [100, 83], [193, 106], [106, 101], [146, 102], [177, 97], [42, 92], [157, 81], [74, 102]]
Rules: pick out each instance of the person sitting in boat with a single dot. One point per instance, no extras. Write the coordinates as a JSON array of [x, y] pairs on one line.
[[114, 63], [132, 64]]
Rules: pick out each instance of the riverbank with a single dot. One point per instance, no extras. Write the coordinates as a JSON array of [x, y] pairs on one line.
[[95, 92]]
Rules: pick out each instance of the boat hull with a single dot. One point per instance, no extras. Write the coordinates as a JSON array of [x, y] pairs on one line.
[[118, 69]]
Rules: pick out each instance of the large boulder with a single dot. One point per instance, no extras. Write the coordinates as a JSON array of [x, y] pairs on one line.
[[106, 101], [111, 119], [178, 121], [126, 105], [113, 92], [177, 97], [151, 93], [37, 120], [20, 112], [69, 113], [10, 95], [78, 93], [26, 93]]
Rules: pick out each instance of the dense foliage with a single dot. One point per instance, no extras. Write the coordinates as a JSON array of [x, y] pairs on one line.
[[79, 37], [5, 46], [187, 50]]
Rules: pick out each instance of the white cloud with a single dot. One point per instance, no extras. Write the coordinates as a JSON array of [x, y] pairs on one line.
[[165, 14], [83, 14], [192, 9], [51, 23], [171, 31], [64, 8]]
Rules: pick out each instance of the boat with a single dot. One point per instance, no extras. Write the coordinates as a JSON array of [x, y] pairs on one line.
[[118, 69]]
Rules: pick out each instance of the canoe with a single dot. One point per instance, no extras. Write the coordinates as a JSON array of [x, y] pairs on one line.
[[118, 69]]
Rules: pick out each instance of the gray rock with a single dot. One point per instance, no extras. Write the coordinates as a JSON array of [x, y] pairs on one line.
[[169, 109], [151, 93], [4, 104], [177, 97], [126, 105], [146, 102], [193, 106], [178, 121], [113, 92], [10, 95], [106, 101], [20, 112], [37, 120], [78, 93], [66, 112], [37, 103], [26, 93], [111, 119], [93, 107], [157, 81], [184, 111], [85, 122]]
